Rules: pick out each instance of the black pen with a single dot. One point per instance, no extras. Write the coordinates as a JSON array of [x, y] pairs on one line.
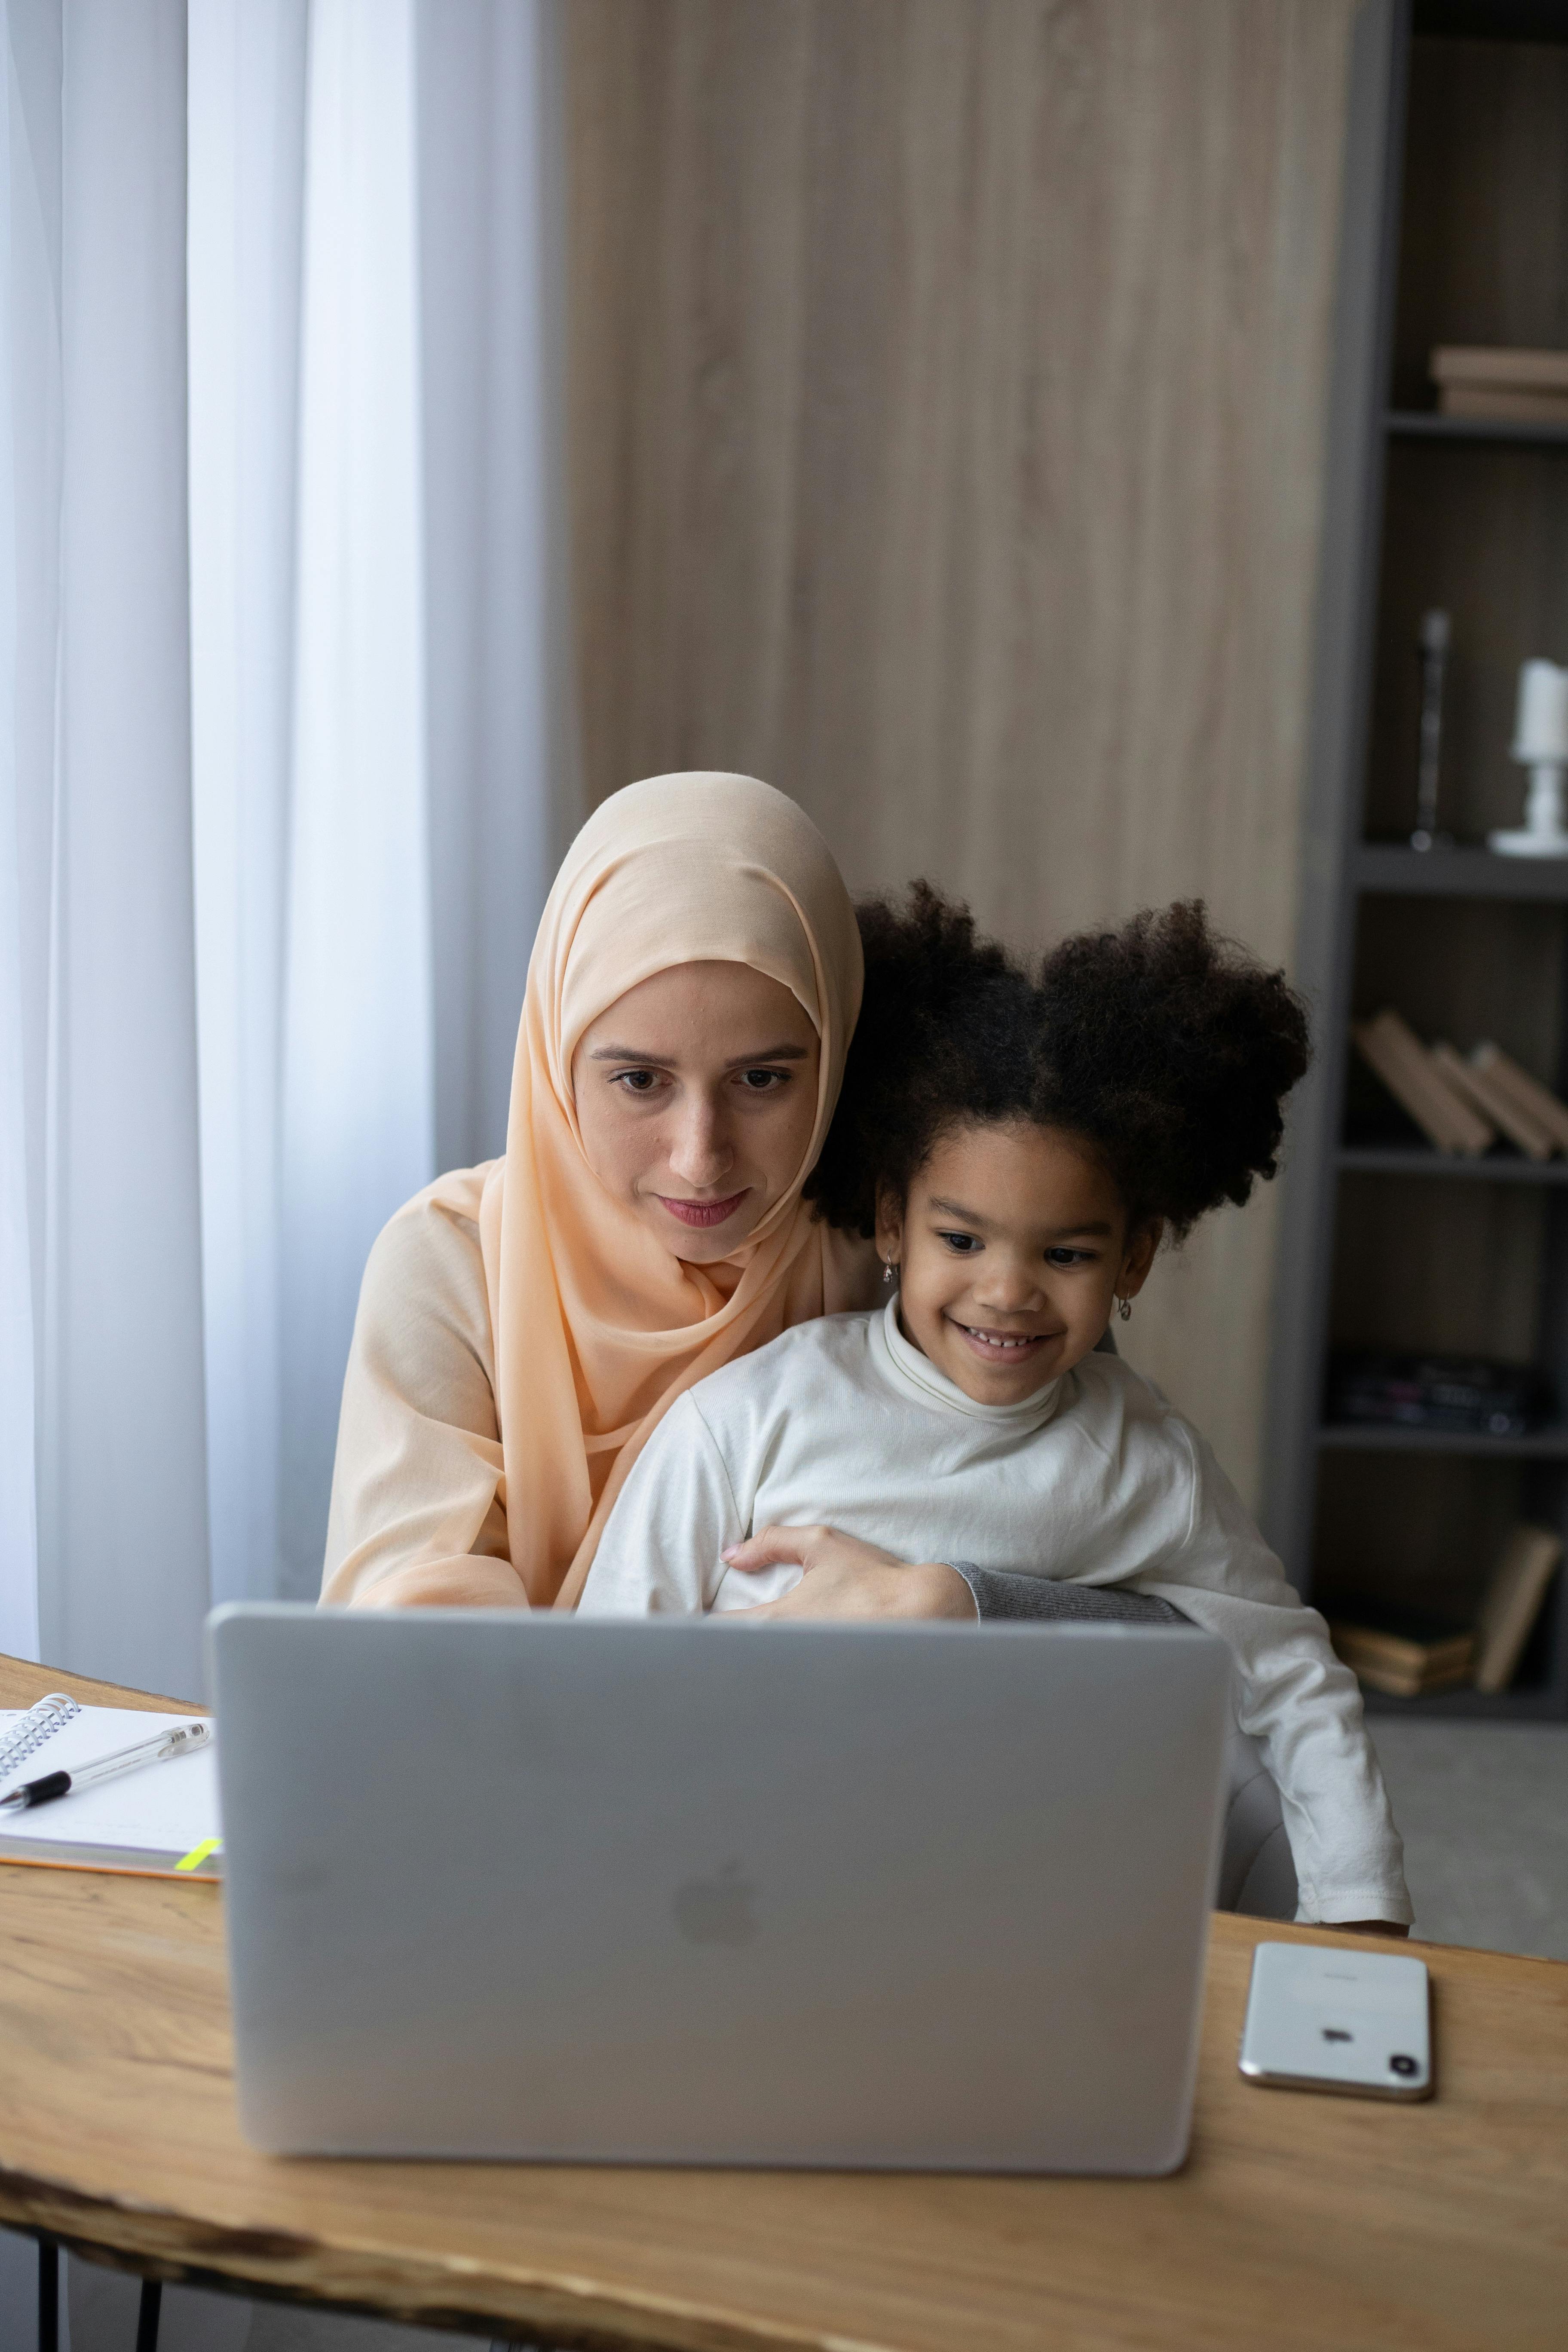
[[178, 1740]]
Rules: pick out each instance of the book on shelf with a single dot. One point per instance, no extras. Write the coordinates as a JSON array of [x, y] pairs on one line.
[[1408, 1654], [1503, 404], [1481, 1090], [1520, 387], [1467, 1395], [1401, 1651], [1537, 1102], [1511, 1602], [1391, 1047]]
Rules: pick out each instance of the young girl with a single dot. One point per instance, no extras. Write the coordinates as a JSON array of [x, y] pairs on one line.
[[1020, 1146]]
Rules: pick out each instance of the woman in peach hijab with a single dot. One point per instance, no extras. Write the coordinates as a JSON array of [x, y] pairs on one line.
[[523, 1326]]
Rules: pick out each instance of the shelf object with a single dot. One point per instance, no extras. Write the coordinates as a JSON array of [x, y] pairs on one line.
[[1527, 1703], [1388, 870], [1390, 1047], [1497, 1166], [1426, 424], [1456, 150], [1386, 1437], [1403, 1661], [1494, 384]]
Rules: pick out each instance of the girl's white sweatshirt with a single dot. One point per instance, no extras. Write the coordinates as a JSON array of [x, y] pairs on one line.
[[1095, 1479]]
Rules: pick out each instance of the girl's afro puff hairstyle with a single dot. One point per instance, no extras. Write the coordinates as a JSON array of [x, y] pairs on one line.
[[1165, 1049]]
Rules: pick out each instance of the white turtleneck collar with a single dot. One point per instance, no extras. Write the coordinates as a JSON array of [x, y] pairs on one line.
[[902, 1365]]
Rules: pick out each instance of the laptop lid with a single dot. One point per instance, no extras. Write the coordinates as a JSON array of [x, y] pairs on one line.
[[507, 1884]]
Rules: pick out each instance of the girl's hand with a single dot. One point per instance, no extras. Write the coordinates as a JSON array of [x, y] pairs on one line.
[[844, 1577]]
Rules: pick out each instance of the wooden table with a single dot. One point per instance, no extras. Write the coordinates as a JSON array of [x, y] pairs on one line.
[[1299, 2220]]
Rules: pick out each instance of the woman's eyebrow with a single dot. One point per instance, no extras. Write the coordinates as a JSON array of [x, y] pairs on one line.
[[769, 1054], [667, 1061]]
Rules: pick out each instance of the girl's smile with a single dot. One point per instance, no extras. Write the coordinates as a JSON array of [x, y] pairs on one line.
[[1012, 1249], [1002, 1346]]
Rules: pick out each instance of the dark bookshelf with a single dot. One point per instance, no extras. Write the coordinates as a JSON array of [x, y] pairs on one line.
[[1457, 154], [1523, 1703], [1394, 870], [1534, 21], [1497, 1166], [1395, 1437], [1426, 424]]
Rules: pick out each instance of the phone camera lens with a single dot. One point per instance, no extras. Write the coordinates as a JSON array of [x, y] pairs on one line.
[[1401, 2064]]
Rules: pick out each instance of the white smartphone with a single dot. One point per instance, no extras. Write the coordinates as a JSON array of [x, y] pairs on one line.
[[1326, 2017]]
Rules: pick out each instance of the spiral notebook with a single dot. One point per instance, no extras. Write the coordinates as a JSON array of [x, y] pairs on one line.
[[159, 1821]]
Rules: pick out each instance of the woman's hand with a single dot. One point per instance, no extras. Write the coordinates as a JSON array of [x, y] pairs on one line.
[[844, 1577]]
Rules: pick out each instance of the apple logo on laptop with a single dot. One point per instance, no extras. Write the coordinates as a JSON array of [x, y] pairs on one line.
[[717, 1910]]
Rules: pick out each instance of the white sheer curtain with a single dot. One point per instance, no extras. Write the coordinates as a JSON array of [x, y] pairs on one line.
[[357, 1106], [102, 1415], [285, 743], [246, 111], [29, 501]]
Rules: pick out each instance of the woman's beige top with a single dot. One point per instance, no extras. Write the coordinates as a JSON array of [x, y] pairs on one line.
[[419, 1452], [419, 1414], [520, 1330]]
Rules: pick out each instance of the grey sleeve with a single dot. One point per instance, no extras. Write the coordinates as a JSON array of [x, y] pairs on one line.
[[998, 1594]]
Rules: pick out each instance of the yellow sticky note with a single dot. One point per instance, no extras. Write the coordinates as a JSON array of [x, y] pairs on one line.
[[199, 1853]]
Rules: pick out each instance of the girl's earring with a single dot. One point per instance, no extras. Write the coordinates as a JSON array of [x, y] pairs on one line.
[[887, 1269], [1124, 1308]]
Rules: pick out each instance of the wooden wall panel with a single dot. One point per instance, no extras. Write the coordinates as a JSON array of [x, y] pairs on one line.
[[949, 393]]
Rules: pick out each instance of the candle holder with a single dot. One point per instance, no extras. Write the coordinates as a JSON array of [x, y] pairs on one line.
[[1545, 834], [1541, 744]]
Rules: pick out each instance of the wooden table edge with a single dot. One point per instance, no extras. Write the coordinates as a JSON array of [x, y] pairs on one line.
[[21, 1675], [456, 2293]]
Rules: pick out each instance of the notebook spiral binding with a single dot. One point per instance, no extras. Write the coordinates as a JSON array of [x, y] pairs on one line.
[[29, 1732]]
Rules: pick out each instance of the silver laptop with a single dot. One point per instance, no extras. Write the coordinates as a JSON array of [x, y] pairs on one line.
[[693, 1892]]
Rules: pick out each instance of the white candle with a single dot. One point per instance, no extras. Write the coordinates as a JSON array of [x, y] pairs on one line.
[[1541, 726]]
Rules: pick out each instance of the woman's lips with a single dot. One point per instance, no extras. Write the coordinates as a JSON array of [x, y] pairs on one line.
[[704, 1212]]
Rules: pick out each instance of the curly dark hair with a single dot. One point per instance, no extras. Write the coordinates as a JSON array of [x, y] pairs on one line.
[[1164, 1048]]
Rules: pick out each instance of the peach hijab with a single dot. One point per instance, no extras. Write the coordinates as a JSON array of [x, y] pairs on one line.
[[598, 1328]]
